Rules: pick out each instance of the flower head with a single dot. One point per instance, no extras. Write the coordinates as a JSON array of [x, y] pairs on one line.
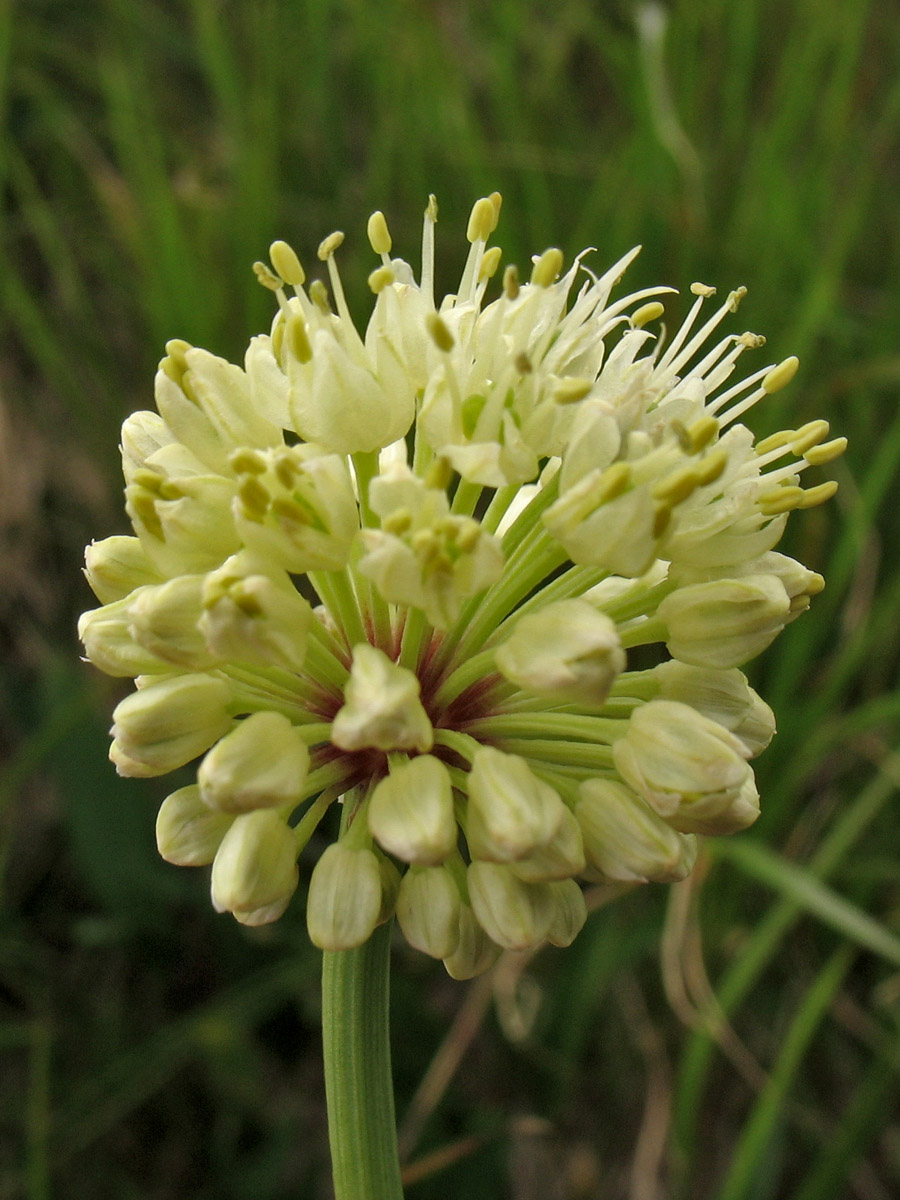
[[400, 574]]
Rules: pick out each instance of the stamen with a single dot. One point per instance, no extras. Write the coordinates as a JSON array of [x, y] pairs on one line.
[[267, 277], [647, 313], [781, 375], [482, 220], [511, 282], [380, 278], [440, 334], [379, 235], [571, 390], [819, 494], [547, 268], [827, 452], [809, 435], [287, 264]]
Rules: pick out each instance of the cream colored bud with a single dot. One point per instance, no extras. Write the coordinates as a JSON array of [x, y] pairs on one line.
[[411, 814], [569, 913], [254, 872], [428, 909], [252, 618], [690, 770], [514, 914], [345, 897], [117, 566], [188, 833], [561, 858], [475, 952], [382, 709], [725, 622], [723, 696], [568, 651], [168, 723], [110, 645], [261, 763], [164, 620], [390, 888], [625, 840], [511, 813]]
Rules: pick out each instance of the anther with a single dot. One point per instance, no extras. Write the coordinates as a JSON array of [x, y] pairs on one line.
[[254, 498], [809, 435], [289, 512], [826, 452], [482, 221], [287, 264], [397, 522], [511, 281], [380, 278], [328, 245], [701, 432], [702, 289], [267, 277], [711, 467], [661, 520], [781, 375], [490, 263], [286, 469], [318, 293], [613, 482], [819, 494], [571, 390], [440, 334], [781, 500], [297, 339], [439, 474], [379, 234], [547, 268], [247, 462], [468, 535], [497, 201], [523, 363], [753, 341], [775, 441], [677, 486], [646, 313], [735, 298], [431, 209]]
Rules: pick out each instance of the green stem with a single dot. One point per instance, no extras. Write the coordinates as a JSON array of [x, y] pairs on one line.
[[358, 1084]]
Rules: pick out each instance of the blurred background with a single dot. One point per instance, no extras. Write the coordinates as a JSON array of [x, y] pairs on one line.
[[732, 1038]]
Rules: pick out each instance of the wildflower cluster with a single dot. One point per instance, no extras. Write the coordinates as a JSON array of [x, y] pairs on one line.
[[405, 571]]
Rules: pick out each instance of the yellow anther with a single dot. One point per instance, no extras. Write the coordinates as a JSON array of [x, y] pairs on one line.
[[646, 313], [753, 341], [278, 338], [661, 520], [677, 486], [511, 281], [798, 604], [318, 293], [735, 298], [481, 221], [431, 209], [440, 334], [819, 494], [289, 512], [398, 522], [497, 202], [379, 234], [710, 467], [425, 544], [144, 509], [246, 601], [701, 432], [267, 277], [775, 441], [287, 264], [150, 481], [613, 482], [380, 278], [297, 339], [781, 375], [490, 263], [523, 363], [247, 462], [177, 349], [254, 498], [286, 469], [571, 390], [438, 561], [826, 452], [809, 435], [547, 268], [468, 535], [781, 500], [328, 245], [702, 289], [439, 474]]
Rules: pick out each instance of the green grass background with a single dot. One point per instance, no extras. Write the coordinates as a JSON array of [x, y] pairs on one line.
[[733, 1039]]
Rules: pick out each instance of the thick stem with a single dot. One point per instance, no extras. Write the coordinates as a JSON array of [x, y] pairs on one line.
[[358, 1083]]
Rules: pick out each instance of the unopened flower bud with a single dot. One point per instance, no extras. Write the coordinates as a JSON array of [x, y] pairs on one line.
[[690, 770], [428, 910], [109, 644], [411, 813], [261, 763], [569, 912], [345, 897], [164, 620], [116, 566], [167, 723], [382, 708], [475, 952], [725, 622], [516, 915], [511, 813], [723, 696], [561, 858], [625, 840], [568, 651], [188, 832], [254, 872]]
